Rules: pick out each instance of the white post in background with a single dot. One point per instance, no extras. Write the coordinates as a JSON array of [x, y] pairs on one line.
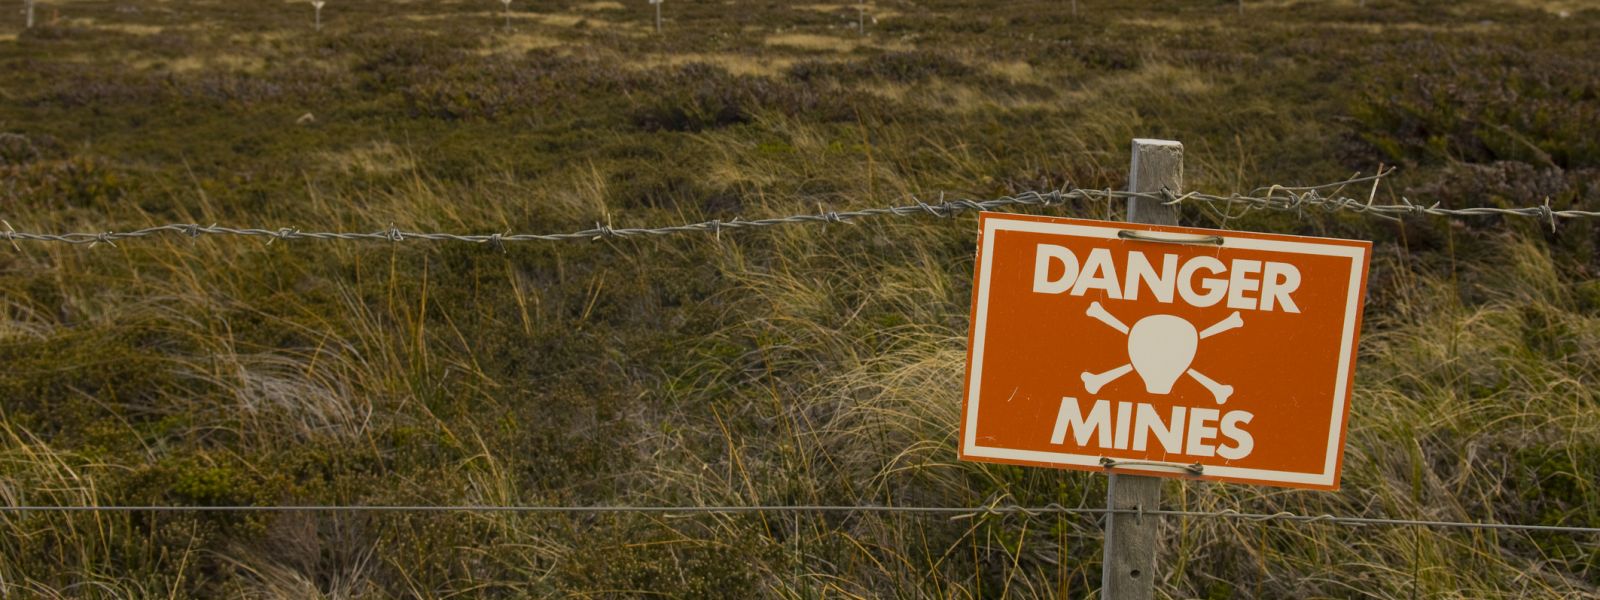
[[658, 14], [29, 10], [508, 14], [1128, 569], [317, 5]]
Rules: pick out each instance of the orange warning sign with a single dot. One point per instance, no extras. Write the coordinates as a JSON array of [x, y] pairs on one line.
[[1162, 347]]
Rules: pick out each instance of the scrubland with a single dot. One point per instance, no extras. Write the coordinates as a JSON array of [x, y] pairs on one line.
[[815, 364]]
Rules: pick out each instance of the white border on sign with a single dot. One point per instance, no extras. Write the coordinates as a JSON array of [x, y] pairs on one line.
[[993, 224]]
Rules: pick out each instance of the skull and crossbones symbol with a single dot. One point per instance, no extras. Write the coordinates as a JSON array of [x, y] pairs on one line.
[[1160, 349]]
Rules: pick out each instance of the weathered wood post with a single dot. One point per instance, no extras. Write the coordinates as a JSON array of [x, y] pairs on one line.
[[1128, 569], [317, 6], [28, 8], [861, 17], [508, 14], [1074, 8]]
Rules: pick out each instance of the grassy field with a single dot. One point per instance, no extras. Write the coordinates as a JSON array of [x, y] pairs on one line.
[[807, 364]]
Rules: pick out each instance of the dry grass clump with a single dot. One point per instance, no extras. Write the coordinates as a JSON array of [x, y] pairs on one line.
[[813, 42], [873, 10], [376, 159], [521, 43], [196, 64], [736, 64], [127, 28]]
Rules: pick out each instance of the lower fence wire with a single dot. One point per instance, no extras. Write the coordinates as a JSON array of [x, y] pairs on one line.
[[955, 512]]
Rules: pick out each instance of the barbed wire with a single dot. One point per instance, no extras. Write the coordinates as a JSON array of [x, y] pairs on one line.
[[1275, 197], [600, 231], [1283, 198], [955, 511]]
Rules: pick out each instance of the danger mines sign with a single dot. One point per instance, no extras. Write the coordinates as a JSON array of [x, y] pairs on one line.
[[1155, 344]]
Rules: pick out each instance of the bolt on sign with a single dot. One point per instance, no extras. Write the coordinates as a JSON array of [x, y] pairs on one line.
[[1159, 347]]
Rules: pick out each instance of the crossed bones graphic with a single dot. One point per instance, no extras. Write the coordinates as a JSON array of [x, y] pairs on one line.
[[1094, 381]]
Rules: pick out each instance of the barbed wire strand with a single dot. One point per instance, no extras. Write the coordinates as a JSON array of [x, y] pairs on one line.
[[1276, 197], [955, 511]]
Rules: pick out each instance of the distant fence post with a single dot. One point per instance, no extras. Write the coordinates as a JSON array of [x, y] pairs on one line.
[[658, 14], [1128, 568], [29, 9]]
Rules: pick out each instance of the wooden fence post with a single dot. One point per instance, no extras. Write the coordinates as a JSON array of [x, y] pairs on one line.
[[1128, 569], [29, 10]]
